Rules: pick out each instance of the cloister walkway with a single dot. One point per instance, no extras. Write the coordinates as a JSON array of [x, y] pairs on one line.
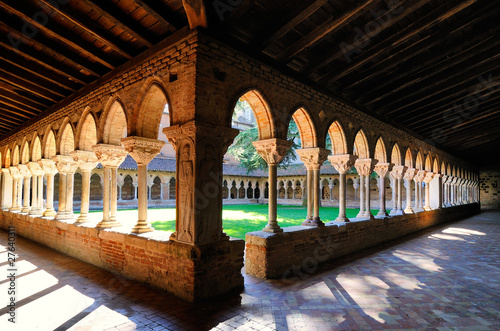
[[444, 277]]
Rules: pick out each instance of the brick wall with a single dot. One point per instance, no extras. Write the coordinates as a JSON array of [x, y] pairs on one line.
[[298, 251], [189, 272], [489, 180]]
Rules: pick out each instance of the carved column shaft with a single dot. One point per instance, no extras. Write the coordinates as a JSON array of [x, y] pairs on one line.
[[365, 167], [86, 161], [342, 163], [408, 176], [382, 169]]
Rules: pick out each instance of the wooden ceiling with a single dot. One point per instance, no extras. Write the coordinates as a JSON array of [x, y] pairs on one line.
[[429, 67]]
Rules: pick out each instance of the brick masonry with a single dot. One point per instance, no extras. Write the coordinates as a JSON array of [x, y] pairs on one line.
[[299, 250], [189, 272], [489, 181]]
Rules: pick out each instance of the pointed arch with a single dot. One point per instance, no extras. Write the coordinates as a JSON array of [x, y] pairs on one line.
[[443, 168], [66, 139], [115, 124], [150, 111], [49, 144], [7, 158], [380, 151], [306, 127], [428, 163], [262, 113], [88, 133], [337, 136], [15, 156], [435, 167], [409, 158], [361, 148], [36, 149], [396, 155], [419, 162], [25, 153], [448, 170]]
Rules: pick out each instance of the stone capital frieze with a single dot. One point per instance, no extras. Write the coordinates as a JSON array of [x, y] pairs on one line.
[[48, 166], [35, 169], [143, 150], [272, 150], [419, 176], [65, 164], [410, 174], [110, 155], [398, 171], [24, 171], [364, 167], [313, 158], [86, 160], [342, 162], [428, 177], [6, 171], [383, 168], [14, 172]]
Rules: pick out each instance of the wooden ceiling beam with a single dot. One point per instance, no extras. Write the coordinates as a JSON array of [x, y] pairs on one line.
[[33, 82], [17, 103], [332, 25], [7, 92], [296, 19], [77, 19], [17, 106], [390, 44], [119, 19], [27, 87], [162, 14], [15, 112], [61, 36], [238, 12]]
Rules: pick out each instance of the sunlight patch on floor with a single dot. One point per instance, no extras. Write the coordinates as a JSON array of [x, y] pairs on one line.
[[419, 260], [462, 231], [22, 267], [31, 284], [102, 318], [406, 282], [445, 237]]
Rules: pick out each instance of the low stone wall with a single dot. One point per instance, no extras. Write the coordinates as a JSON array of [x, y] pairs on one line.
[[300, 249], [189, 272]]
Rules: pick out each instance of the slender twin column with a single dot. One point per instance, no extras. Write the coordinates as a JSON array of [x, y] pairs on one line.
[[427, 180], [86, 161], [408, 176], [397, 173], [37, 188], [66, 167], [7, 184], [143, 150], [16, 189], [273, 151], [342, 163], [313, 159], [110, 156], [444, 188], [365, 167], [26, 177], [382, 169], [49, 168], [419, 177], [199, 152]]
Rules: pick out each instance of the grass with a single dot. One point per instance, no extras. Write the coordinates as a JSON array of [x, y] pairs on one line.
[[240, 219]]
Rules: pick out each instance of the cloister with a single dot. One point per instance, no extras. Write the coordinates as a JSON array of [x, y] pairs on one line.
[[120, 115]]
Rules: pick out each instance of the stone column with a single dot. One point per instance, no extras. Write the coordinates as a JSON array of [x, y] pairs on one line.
[[49, 168], [342, 163], [86, 161], [330, 187], [408, 176], [26, 176], [199, 154], [382, 169], [443, 188], [16, 176], [273, 151], [37, 189], [355, 185], [419, 177], [66, 167], [110, 156], [393, 191], [142, 150], [313, 159], [7, 184], [427, 180], [309, 196], [398, 173], [364, 167]]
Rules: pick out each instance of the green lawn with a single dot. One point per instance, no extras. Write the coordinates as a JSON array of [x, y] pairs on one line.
[[240, 219]]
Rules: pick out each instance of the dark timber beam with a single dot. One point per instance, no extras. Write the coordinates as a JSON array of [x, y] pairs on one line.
[[28, 87], [330, 26], [196, 13], [163, 15]]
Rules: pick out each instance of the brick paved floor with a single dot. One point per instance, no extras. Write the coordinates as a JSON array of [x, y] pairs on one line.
[[444, 278]]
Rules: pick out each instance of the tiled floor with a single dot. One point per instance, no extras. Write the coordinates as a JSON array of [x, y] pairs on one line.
[[444, 278]]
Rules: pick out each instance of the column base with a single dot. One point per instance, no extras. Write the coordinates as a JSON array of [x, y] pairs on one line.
[[396, 212], [49, 213], [36, 212], [427, 208], [82, 219], [361, 215], [15, 210], [107, 224], [64, 216], [25, 210], [369, 215], [382, 213], [342, 219], [142, 227], [317, 223], [272, 229], [409, 211]]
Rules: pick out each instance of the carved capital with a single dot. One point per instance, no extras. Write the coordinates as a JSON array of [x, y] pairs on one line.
[[86, 160], [410, 174], [110, 155], [420, 175], [342, 162], [176, 133], [24, 171], [429, 176], [383, 168], [65, 164], [272, 150], [364, 167], [143, 150], [15, 173], [398, 172], [313, 158], [35, 169], [48, 166]]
